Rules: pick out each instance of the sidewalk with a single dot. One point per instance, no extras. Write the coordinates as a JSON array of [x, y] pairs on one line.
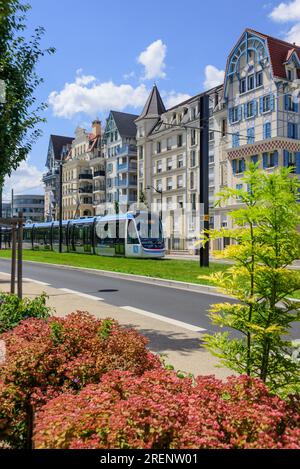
[[182, 347]]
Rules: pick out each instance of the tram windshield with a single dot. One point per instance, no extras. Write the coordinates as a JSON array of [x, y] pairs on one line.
[[149, 228]]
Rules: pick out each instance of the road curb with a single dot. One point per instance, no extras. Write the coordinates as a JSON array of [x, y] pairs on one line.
[[194, 287]]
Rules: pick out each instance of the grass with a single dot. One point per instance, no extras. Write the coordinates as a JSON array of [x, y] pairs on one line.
[[182, 270]]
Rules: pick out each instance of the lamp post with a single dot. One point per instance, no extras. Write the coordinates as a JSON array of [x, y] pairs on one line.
[[60, 203], [159, 191], [204, 170]]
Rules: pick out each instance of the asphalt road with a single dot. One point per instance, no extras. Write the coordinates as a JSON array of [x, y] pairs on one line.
[[189, 307]]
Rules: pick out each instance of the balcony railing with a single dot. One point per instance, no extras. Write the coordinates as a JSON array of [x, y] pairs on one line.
[[99, 173], [126, 149], [85, 190], [127, 167], [85, 176], [126, 182]]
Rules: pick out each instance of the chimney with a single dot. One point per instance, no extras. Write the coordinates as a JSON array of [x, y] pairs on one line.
[[96, 127]]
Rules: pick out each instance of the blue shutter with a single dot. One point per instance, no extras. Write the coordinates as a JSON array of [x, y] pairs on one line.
[[296, 131], [261, 105], [285, 158], [245, 111], [275, 158], [254, 158], [234, 166], [230, 114], [272, 102], [290, 130], [243, 165], [254, 107], [240, 113], [296, 107], [265, 162], [265, 131], [286, 102], [298, 162]]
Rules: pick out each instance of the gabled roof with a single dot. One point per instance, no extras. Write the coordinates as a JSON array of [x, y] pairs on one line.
[[58, 141], [279, 52], [154, 106], [125, 123]]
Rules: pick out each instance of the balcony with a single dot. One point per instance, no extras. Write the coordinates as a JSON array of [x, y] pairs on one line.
[[99, 173], [127, 150], [101, 187], [85, 190], [127, 167], [86, 200], [126, 182], [85, 176], [51, 174]]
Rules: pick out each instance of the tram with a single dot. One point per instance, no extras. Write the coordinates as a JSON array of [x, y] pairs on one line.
[[132, 234]]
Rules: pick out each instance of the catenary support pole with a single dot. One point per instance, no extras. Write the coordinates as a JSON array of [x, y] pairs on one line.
[[20, 260], [13, 259], [204, 200]]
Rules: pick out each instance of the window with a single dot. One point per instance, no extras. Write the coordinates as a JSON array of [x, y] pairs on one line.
[[193, 158], [141, 152], [180, 201], [250, 82], [116, 135], [238, 166], [179, 182], [254, 159], [250, 135], [211, 136], [243, 85], [292, 130], [259, 79], [180, 161], [270, 159], [169, 143], [250, 109], [159, 185], [236, 140], [192, 180], [193, 201], [290, 74], [290, 104], [267, 130], [169, 184], [159, 166], [235, 114], [239, 187], [266, 103], [193, 113], [169, 164], [158, 147], [223, 127], [193, 137], [179, 140], [292, 159]]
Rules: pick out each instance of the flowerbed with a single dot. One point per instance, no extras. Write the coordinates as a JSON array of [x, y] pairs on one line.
[[45, 358], [79, 382], [159, 410]]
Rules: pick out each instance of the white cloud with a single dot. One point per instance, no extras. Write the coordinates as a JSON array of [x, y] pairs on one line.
[[153, 59], [172, 98], [87, 96], [213, 77], [129, 75], [286, 11], [26, 179]]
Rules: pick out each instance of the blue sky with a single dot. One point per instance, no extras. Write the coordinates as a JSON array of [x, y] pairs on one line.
[[110, 53]]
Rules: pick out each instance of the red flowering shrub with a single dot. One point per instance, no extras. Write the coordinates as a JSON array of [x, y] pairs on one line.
[[159, 410], [47, 357]]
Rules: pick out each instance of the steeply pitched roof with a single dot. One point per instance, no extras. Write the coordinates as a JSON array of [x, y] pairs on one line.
[[58, 141], [279, 51], [154, 106], [125, 123]]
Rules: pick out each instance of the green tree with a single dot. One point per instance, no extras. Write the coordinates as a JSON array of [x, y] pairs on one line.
[[265, 241], [20, 113]]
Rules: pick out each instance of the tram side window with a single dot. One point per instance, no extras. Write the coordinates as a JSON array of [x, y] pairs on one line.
[[27, 235], [55, 234], [131, 233], [78, 233], [87, 234]]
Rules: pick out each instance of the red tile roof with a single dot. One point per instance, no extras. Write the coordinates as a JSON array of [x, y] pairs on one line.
[[279, 52]]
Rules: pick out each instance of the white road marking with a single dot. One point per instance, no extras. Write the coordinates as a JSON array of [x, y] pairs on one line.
[[84, 295], [36, 281], [184, 325]]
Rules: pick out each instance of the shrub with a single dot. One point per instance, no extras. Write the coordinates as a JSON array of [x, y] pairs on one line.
[[13, 310], [158, 410], [55, 355]]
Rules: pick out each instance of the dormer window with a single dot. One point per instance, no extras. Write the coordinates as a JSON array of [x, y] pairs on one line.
[[243, 85], [290, 74]]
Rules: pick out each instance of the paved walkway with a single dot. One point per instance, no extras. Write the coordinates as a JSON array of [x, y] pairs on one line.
[[181, 346]]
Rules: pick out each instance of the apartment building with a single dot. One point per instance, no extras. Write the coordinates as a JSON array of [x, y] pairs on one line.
[[84, 174], [120, 153], [260, 106], [32, 207], [168, 165], [58, 148]]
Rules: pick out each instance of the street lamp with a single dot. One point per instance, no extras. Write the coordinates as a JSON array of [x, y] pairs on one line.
[[159, 191], [60, 202]]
